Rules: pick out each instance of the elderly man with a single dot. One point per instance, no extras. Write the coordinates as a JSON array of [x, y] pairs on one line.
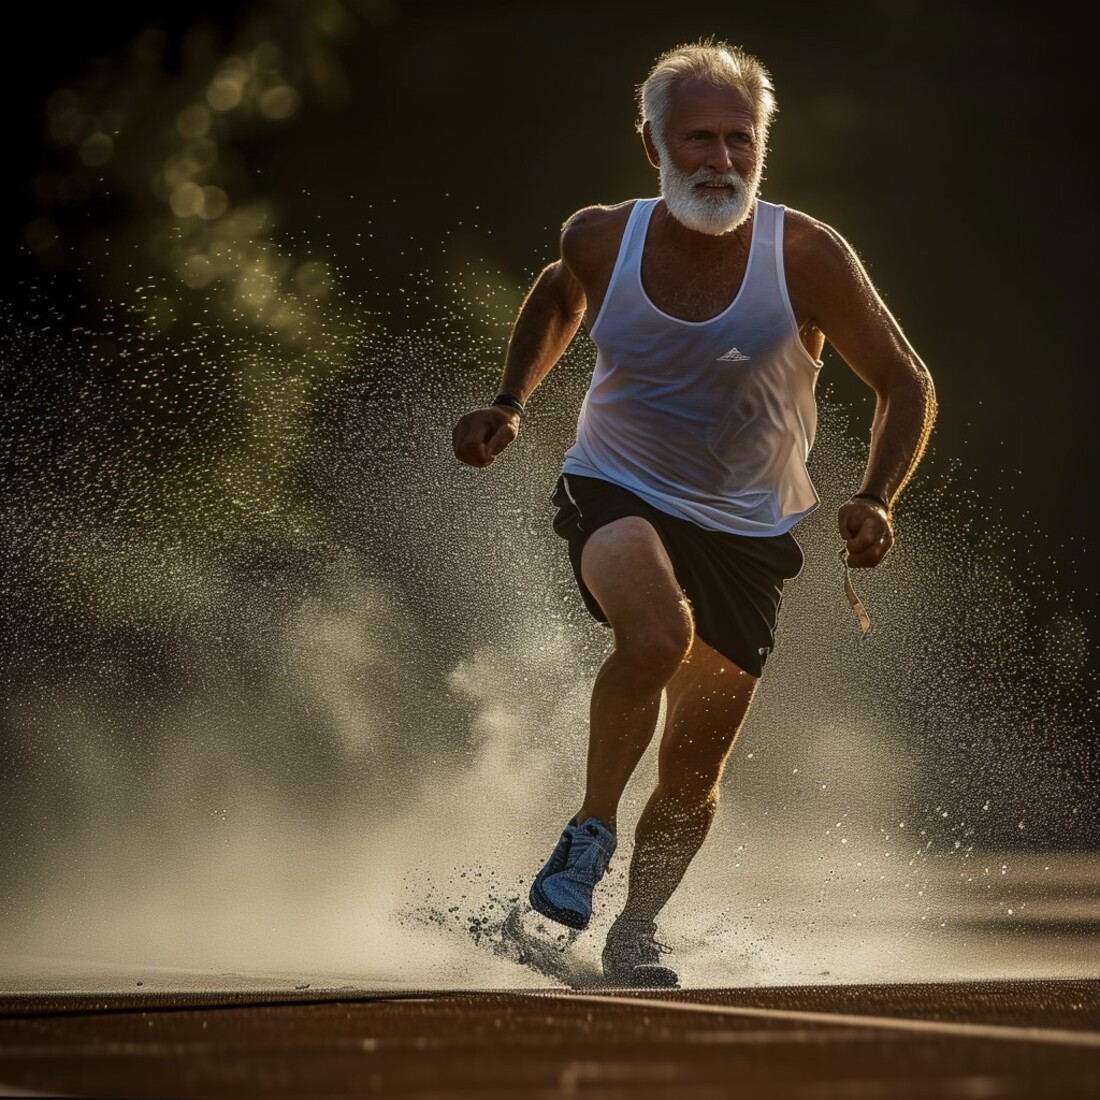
[[709, 308]]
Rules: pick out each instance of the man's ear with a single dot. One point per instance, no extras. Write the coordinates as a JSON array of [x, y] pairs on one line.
[[650, 147]]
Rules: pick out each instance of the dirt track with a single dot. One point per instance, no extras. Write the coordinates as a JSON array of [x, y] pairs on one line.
[[1003, 1039]]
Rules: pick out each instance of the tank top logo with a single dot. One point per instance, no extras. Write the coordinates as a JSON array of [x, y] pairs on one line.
[[733, 356]]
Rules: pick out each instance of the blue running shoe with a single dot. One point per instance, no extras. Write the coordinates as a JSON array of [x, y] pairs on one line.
[[562, 890]]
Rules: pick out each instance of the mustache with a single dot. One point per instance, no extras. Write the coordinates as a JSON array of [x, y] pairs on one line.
[[731, 178]]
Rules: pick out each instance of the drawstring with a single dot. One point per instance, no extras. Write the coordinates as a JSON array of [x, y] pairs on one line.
[[853, 599]]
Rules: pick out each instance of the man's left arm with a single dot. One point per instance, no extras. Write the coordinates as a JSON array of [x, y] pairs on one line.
[[844, 305]]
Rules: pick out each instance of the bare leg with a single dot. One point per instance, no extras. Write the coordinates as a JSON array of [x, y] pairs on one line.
[[625, 567], [707, 703]]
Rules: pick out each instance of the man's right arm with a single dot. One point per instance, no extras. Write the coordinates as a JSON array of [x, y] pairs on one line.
[[547, 321]]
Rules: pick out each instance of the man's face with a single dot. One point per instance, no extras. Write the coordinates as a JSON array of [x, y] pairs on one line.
[[708, 158]]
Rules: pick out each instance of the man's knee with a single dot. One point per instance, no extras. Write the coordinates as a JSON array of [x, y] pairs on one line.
[[657, 650]]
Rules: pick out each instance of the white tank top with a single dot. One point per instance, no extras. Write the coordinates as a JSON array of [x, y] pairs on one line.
[[710, 421]]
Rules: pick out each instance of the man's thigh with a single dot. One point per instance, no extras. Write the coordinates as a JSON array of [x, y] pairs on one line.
[[625, 566]]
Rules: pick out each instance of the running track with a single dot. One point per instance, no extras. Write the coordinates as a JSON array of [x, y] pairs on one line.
[[966, 1040]]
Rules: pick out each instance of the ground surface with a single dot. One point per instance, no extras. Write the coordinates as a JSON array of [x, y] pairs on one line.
[[989, 1039]]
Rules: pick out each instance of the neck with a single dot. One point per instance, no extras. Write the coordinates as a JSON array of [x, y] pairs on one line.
[[678, 235]]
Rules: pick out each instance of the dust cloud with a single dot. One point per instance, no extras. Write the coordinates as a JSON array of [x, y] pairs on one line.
[[295, 698]]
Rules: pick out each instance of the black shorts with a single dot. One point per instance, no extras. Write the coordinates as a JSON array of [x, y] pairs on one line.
[[734, 583]]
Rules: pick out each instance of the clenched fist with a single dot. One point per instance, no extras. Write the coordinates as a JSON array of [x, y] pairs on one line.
[[482, 434], [866, 527]]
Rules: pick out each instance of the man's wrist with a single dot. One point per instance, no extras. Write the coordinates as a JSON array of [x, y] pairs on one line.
[[509, 401], [880, 501]]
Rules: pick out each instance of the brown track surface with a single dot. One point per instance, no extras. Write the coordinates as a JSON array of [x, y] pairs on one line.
[[989, 1039]]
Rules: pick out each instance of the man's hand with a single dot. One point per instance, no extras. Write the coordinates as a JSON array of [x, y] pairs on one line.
[[865, 526], [482, 434]]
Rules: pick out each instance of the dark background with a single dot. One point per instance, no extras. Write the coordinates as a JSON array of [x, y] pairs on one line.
[[949, 143]]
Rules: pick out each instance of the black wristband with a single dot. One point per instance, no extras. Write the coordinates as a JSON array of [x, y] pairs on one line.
[[509, 401], [876, 498]]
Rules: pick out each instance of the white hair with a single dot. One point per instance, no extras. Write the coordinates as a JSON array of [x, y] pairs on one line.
[[717, 63]]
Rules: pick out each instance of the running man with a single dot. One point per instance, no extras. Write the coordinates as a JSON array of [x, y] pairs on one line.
[[709, 308]]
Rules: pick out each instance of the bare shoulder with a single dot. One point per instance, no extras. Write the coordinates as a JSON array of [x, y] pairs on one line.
[[813, 249], [591, 237], [596, 219], [824, 273]]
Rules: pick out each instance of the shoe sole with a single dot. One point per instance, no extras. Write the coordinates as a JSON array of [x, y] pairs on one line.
[[542, 904], [646, 976]]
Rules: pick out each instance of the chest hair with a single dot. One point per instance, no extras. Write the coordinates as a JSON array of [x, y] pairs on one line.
[[694, 287]]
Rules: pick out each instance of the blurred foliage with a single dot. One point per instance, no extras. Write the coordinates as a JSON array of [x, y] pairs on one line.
[[149, 200]]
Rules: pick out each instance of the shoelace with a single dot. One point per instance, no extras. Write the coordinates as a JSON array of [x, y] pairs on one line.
[[653, 949], [853, 599], [591, 857], [645, 947]]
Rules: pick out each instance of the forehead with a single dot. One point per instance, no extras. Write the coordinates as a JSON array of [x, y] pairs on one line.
[[697, 103]]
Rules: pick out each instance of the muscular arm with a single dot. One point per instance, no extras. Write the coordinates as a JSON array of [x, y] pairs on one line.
[[547, 321], [835, 295]]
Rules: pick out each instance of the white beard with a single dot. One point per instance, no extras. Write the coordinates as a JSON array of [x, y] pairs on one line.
[[714, 211]]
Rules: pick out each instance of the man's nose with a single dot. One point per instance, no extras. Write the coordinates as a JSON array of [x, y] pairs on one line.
[[719, 159]]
